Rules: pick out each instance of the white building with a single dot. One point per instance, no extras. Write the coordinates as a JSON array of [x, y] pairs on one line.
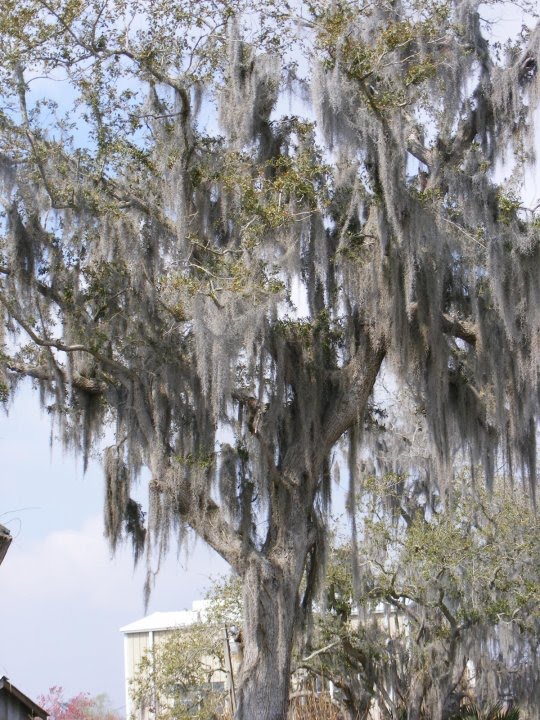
[[142, 636]]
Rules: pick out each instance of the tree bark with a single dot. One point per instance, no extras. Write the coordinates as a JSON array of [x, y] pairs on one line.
[[415, 698], [270, 607]]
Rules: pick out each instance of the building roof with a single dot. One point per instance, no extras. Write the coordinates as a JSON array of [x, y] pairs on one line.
[[7, 686], [168, 620], [5, 541]]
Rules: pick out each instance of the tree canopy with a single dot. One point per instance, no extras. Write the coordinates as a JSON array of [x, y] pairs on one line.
[[226, 223]]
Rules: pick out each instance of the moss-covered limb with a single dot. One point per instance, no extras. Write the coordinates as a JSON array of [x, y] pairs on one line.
[[221, 535], [43, 372], [58, 344], [453, 326], [354, 385]]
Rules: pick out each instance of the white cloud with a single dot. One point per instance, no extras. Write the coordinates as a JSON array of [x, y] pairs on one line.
[[70, 564]]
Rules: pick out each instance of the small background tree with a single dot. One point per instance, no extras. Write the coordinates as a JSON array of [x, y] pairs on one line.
[[79, 707], [449, 606], [187, 674]]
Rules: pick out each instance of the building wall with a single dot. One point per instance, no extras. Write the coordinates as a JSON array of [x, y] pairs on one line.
[[135, 646], [13, 709]]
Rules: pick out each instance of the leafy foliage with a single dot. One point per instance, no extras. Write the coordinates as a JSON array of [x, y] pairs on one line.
[[80, 707], [448, 608], [178, 680], [472, 712], [185, 674]]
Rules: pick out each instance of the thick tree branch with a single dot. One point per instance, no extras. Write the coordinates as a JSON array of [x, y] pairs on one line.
[[451, 325], [355, 384], [459, 328], [62, 346], [212, 526], [446, 611], [42, 372]]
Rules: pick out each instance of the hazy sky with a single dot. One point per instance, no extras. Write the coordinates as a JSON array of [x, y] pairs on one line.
[[63, 599]]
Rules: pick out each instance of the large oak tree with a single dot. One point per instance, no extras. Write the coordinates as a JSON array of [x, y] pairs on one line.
[[221, 281]]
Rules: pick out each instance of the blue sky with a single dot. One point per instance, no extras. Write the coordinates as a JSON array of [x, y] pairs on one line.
[[63, 597]]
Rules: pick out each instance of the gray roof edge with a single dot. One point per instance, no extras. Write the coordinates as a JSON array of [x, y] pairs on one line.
[[5, 541], [6, 684]]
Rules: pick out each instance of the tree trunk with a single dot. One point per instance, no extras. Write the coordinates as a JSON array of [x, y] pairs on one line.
[[416, 696], [272, 574], [270, 606]]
